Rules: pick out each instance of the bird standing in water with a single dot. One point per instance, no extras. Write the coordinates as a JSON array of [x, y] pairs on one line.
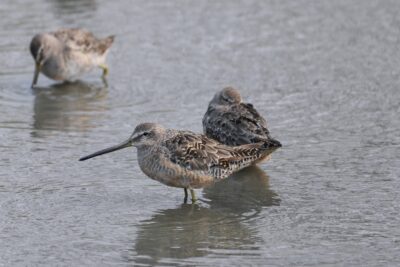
[[185, 159], [66, 54], [232, 122]]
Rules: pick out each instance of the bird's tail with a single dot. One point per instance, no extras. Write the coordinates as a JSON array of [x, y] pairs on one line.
[[251, 154], [267, 147], [272, 143], [106, 43]]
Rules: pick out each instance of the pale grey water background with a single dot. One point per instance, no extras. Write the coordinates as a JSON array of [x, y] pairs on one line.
[[324, 73]]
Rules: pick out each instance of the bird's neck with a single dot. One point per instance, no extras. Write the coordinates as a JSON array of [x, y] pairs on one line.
[[145, 153], [149, 161]]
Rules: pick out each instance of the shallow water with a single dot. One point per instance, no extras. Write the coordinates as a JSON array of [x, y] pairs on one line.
[[324, 73]]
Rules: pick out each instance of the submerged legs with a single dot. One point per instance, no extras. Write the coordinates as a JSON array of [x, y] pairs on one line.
[[186, 195], [192, 194], [104, 67]]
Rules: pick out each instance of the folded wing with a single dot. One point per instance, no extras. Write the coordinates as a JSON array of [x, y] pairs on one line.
[[200, 153]]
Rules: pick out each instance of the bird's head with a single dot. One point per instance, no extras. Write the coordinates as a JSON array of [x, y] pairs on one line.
[[227, 96], [41, 47]]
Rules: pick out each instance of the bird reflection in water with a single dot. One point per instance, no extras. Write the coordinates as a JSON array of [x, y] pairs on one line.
[[198, 230], [244, 191], [70, 106]]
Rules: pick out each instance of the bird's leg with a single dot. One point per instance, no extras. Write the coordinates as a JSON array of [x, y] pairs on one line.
[[104, 79], [192, 193], [104, 67], [186, 195]]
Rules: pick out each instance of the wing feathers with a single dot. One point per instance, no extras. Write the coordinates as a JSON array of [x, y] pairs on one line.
[[79, 39], [198, 152]]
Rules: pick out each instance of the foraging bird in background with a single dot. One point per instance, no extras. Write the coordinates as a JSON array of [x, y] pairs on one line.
[[232, 122], [185, 159], [66, 54]]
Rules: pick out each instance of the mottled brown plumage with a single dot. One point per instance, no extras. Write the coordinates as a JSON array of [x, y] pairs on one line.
[[232, 122], [185, 159], [82, 40], [67, 54]]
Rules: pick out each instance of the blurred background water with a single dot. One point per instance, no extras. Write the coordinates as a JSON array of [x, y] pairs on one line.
[[325, 74]]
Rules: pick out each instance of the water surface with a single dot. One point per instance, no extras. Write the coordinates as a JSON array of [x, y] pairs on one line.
[[325, 74]]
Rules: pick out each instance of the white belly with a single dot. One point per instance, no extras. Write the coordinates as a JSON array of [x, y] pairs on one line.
[[72, 68]]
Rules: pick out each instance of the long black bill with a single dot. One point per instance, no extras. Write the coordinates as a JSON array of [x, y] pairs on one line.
[[125, 144]]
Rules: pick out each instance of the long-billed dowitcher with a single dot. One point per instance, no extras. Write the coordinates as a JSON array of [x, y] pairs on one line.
[[66, 54], [185, 159], [232, 122]]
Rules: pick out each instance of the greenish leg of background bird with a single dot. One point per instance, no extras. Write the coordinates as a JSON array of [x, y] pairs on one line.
[[186, 195], [104, 67], [105, 82], [192, 193]]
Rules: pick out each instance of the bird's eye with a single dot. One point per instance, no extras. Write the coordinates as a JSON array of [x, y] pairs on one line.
[[145, 133]]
